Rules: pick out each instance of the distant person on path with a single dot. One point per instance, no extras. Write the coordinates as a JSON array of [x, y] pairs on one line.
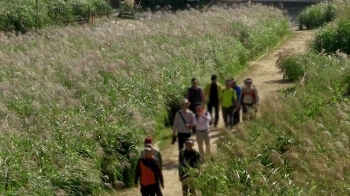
[[203, 119], [183, 123], [249, 99], [194, 95], [149, 173], [212, 94], [155, 151], [228, 102], [188, 159], [238, 90]]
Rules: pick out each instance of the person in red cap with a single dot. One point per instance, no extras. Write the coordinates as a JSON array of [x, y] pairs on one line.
[[249, 98], [149, 174], [157, 155], [155, 151]]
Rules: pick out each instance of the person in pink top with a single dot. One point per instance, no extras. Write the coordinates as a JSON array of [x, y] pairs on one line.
[[203, 119]]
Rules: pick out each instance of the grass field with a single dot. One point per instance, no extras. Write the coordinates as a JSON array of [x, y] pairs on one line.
[[300, 144], [76, 101], [20, 15]]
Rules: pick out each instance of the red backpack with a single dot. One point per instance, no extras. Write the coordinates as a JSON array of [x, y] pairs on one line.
[[251, 93]]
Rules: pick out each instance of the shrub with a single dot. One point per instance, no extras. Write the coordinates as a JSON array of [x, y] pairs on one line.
[[76, 101], [333, 37], [317, 15]]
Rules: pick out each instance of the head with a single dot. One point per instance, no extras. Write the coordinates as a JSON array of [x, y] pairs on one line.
[[148, 141], [148, 151], [233, 82], [213, 78], [199, 107], [194, 82], [185, 103], [248, 82], [228, 83], [189, 144]]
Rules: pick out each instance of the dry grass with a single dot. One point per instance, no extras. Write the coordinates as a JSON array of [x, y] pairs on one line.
[[75, 101]]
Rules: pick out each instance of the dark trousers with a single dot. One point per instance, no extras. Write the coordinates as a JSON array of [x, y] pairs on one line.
[[210, 106], [227, 115], [181, 139], [150, 190], [236, 115]]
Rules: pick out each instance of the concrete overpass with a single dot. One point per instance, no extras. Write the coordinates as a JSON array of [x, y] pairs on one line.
[[291, 7]]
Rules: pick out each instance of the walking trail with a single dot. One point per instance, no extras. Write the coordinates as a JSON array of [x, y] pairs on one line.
[[266, 78]]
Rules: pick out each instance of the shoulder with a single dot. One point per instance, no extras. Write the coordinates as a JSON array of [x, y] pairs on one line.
[[155, 149], [189, 112]]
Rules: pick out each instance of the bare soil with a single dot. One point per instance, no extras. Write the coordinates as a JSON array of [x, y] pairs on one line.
[[268, 81]]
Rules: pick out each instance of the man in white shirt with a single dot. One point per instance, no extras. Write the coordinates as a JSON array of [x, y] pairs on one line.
[[203, 119]]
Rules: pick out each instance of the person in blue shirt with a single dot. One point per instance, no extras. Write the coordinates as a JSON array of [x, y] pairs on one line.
[[238, 89]]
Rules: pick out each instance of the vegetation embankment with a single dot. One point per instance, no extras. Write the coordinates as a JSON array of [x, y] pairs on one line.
[[300, 144], [76, 101], [20, 15]]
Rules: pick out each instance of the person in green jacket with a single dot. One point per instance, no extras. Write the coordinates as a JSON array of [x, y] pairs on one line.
[[212, 93], [228, 102]]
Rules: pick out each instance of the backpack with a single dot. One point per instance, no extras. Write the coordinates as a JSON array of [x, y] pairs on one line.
[[251, 93]]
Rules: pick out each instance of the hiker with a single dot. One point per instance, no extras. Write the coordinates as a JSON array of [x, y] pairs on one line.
[[155, 151], [249, 99], [238, 90], [149, 173], [188, 158], [202, 118], [194, 95], [183, 123], [229, 104], [212, 93]]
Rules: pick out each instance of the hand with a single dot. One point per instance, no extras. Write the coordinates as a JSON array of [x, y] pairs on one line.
[[136, 185], [162, 186], [180, 179]]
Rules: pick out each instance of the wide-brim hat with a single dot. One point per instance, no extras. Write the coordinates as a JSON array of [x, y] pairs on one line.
[[185, 102]]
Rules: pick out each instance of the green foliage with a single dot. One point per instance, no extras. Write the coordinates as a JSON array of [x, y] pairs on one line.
[[300, 144], [20, 15], [75, 102], [317, 15], [333, 37]]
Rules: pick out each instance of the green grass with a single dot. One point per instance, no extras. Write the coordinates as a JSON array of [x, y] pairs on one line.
[[317, 15], [20, 15], [77, 101], [298, 147]]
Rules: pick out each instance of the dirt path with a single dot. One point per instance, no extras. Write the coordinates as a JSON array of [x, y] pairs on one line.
[[266, 78]]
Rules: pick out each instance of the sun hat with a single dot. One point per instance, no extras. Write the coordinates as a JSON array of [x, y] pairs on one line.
[[185, 101]]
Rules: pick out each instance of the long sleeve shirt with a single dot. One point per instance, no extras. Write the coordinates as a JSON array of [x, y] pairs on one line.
[[188, 159], [195, 95], [207, 91], [179, 125], [203, 122], [148, 172]]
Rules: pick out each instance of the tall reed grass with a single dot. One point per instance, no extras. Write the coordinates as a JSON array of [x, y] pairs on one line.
[[75, 101], [300, 144]]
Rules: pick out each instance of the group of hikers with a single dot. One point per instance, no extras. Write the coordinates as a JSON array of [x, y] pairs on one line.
[[193, 119]]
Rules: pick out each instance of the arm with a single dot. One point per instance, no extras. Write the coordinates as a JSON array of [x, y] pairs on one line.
[[188, 94], [236, 103], [176, 123], [137, 172], [159, 174], [206, 91], [160, 159], [194, 120], [202, 96], [256, 96], [207, 116]]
